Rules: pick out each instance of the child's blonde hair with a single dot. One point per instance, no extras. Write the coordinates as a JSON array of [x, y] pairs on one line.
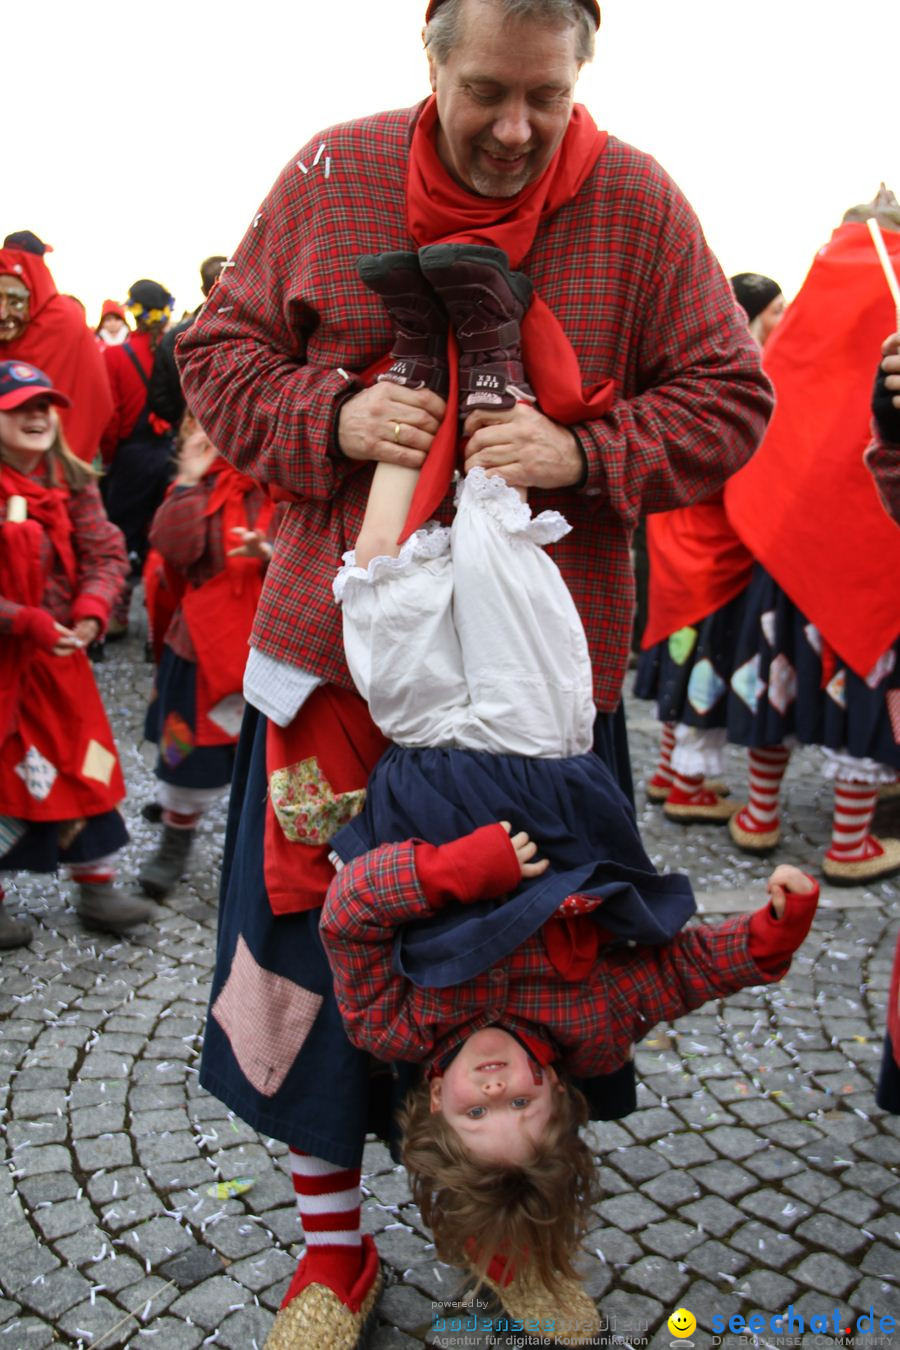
[[534, 1214]]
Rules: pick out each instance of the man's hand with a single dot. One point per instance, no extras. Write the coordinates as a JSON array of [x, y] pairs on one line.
[[525, 849], [391, 423], [87, 631], [891, 366], [784, 879], [525, 447]]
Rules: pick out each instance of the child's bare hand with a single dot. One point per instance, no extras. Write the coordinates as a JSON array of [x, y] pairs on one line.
[[253, 544], [525, 849], [786, 878]]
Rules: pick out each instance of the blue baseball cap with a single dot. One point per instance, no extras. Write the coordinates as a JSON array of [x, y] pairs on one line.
[[20, 383]]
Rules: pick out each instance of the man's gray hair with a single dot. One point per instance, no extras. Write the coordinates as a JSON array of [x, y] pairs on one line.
[[444, 31]]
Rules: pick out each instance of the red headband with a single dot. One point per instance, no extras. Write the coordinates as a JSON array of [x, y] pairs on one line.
[[591, 6]]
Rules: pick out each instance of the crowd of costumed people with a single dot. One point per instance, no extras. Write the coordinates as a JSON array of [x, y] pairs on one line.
[[380, 523]]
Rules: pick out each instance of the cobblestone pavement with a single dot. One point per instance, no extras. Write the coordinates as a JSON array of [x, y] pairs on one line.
[[756, 1174]]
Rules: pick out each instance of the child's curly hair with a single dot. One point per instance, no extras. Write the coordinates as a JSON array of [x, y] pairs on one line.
[[533, 1213]]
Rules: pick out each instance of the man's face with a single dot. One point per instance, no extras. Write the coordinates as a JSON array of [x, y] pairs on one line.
[[495, 1097], [15, 311], [504, 99]]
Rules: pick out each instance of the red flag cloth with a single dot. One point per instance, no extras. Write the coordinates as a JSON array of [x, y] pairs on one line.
[[438, 210], [806, 506], [58, 341], [697, 564]]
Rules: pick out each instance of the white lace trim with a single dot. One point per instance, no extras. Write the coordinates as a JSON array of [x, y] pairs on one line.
[[432, 541], [841, 764], [503, 502]]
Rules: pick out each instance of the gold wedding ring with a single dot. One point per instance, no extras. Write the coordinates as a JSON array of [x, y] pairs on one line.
[[397, 432]]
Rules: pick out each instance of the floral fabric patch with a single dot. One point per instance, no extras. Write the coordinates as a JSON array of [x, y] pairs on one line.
[[306, 807]]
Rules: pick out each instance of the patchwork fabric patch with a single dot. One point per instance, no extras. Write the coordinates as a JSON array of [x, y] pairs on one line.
[[681, 644], [705, 687], [11, 831], [767, 624], [883, 667], [98, 763], [228, 714], [305, 806], [37, 773], [893, 707], [266, 1018], [176, 741], [814, 638], [746, 683], [782, 684], [836, 688]]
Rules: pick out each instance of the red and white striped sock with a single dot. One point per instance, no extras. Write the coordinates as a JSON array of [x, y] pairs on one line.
[[767, 767], [96, 872], [687, 783], [181, 820], [664, 775], [328, 1202], [854, 807]]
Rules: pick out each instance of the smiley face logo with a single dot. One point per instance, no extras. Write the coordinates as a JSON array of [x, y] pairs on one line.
[[682, 1323]]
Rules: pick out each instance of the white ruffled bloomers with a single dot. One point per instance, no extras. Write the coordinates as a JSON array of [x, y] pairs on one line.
[[470, 637]]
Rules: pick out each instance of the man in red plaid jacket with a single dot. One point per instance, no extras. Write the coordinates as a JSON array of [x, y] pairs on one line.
[[272, 367]]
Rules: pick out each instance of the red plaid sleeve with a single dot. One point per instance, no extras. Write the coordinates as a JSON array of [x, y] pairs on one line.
[[180, 529], [366, 902], [100, 553]]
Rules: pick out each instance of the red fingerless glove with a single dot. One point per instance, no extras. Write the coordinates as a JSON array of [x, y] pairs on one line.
[[773, 941], [480, 866], [91, 607], [37, 626]]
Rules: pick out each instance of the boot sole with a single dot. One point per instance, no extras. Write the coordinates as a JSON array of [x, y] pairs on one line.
[[694, 815], [153, 890], [441, 257], [373, 267], [860, 878], [110, 925]]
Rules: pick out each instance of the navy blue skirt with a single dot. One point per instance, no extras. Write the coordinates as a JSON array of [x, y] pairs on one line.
[[171, 724], [573, 809], [38, 849], [688, 674], [776, 686]]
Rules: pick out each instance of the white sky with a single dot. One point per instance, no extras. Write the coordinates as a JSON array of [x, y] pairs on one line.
[[149, 133]]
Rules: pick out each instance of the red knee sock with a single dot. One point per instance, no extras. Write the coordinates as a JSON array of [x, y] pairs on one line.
[[663, 776], [181, 820], [854, 807], [767, 768], [328, 1203]]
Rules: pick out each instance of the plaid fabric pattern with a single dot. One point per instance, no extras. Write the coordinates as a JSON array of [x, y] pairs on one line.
[[102, 566], [194, 544], [594, 1022], [625, 268]]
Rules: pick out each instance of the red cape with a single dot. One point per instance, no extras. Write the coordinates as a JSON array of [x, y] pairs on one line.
[[59, 342], [806, 506]]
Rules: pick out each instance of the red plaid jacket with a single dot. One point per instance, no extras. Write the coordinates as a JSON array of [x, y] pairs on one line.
[[628, 273], [590, 1024]]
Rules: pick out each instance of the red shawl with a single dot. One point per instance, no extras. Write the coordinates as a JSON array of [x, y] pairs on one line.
[[439, 211], [806, 505], [697, 564], [58, 341]]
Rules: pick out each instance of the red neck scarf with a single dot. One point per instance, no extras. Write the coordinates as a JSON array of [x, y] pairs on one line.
[[48, 505], [229, 494], [438, 210]]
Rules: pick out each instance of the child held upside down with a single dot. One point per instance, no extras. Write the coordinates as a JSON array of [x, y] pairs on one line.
[[501, 971]]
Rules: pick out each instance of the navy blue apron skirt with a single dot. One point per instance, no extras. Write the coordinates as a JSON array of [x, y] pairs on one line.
[[38, 849], [331, 1094], [776, 686], [171, 724], [688, 673]]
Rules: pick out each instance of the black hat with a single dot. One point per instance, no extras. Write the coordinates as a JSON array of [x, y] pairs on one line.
[[26, 241], [148, 295], [754, 292]]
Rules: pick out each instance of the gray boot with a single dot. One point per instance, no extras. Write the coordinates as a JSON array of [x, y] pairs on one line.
[[101, 906], [13, 932], [161, 874]]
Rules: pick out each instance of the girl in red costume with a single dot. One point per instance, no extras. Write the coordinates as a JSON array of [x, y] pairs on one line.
[[210, 534], [61, 565]]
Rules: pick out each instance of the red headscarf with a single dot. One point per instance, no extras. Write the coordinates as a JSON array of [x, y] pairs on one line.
[[806, 505], [58, 341], [438, 210]]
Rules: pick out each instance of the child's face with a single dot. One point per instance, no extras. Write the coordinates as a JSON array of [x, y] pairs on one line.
[[28, 431], [489, 1094]]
